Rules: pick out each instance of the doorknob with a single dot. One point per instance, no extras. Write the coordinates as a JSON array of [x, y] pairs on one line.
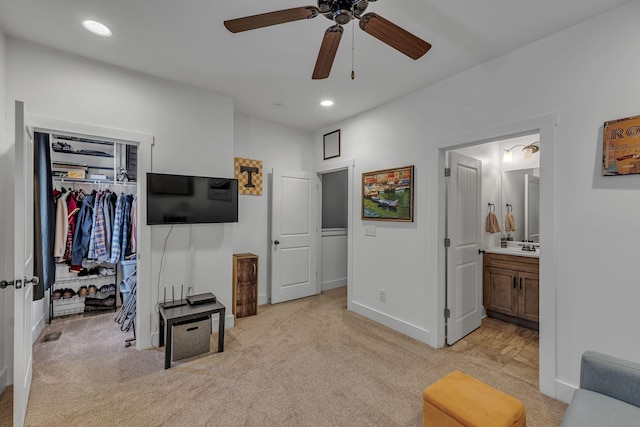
[[277, 242], [34, 280], [19, 283]]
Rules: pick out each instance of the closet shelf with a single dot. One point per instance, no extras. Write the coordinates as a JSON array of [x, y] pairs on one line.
[[80, 153], [94, 181], [72, 279]]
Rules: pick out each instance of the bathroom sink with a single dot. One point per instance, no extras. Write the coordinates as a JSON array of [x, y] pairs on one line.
[[515, 251]]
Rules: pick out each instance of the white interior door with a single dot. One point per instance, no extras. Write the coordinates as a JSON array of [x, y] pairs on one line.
[[22, 228], [293, 232], [464, 262]]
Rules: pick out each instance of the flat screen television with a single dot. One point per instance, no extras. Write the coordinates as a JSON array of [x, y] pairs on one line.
[[182, 199]]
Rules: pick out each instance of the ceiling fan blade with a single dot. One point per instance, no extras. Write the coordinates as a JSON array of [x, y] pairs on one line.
[[327, 53], [396, 37], [271, 18]]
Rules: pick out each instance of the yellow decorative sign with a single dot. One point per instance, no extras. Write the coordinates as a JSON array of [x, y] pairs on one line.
[[249, 175], [621, 147]]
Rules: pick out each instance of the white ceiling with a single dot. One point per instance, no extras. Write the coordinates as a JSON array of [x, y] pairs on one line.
[[185, 40]]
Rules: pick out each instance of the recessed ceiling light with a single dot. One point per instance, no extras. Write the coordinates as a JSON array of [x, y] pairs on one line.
[[327, 103], [96, 28]]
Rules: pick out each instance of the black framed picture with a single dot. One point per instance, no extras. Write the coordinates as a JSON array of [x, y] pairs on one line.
[[331, 144]]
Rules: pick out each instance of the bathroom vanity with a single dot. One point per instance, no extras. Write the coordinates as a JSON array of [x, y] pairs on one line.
[[511, 286]]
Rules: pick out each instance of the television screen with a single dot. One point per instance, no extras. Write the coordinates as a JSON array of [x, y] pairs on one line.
[[181, 199]]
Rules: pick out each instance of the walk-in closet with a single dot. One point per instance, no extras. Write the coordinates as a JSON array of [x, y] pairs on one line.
[[87, 194]]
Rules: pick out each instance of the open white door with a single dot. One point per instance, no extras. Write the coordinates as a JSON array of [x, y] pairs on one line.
[[22, 232], [464, 262], [293, 230]]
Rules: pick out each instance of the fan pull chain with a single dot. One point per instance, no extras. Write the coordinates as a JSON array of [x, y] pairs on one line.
[[353, 43]]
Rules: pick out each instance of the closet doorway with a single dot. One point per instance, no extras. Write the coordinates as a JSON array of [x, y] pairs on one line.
[[335, 201], [94, 190], [112, 164]]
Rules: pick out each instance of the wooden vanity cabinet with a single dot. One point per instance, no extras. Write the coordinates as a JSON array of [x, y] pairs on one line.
[[511, 288], [245, 285]]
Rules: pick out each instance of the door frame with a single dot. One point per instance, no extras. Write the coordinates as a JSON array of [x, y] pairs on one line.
[[145, 330], [545, 125], [322, 169]]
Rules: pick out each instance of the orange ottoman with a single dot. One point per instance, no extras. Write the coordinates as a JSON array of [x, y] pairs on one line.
[[460, 400]]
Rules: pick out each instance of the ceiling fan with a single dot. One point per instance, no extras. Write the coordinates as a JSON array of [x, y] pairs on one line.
[[341, 12]]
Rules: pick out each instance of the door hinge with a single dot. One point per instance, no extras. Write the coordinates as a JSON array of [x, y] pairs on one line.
[[447, 313], [447, 242], [447, 172]]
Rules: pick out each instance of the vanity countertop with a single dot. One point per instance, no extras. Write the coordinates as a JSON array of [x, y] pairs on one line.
[[514, 251]]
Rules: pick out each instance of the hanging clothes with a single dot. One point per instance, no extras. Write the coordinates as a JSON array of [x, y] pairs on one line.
[[92, 239], [126, 228], [72, 215], [44, 216], [82, 233], [116, 239], [100, 251], [134, 225], [62, 228]]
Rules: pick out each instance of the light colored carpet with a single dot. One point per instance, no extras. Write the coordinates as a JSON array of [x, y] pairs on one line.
[[308, 362]]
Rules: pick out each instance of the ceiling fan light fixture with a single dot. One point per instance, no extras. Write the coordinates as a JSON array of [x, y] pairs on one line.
[[97, 28], [342, 16]]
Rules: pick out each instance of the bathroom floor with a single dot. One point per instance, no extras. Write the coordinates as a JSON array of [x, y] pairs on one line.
[[503, 346]]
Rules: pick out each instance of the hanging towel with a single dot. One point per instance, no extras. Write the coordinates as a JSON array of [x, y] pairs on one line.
[[492, 223], [510, 222]]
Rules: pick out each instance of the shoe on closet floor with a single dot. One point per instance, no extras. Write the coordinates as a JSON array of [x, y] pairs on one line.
[[82, 291], [106, 271], [94, 271], [92, 290], [56, 294], [68, 293], [83, 272], [75, 269]]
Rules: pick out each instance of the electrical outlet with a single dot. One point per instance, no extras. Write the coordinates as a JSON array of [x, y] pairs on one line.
[[383, 295], [370, 230]]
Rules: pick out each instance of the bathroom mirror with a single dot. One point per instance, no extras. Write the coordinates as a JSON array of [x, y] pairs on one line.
[[521, 196]]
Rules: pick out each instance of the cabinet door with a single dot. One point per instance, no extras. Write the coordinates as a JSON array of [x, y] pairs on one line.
[[501, 291], [529, 296], [246, 298]]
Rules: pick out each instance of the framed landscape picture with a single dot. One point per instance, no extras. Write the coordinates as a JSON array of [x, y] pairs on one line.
[[387, 195]]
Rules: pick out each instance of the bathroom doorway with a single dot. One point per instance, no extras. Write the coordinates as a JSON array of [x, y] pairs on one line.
[[506, 163]]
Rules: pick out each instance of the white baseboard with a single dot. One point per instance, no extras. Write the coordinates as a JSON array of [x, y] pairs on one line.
[[564, 391], [38, 328], [263, 299], [401, 326], [334, 284]]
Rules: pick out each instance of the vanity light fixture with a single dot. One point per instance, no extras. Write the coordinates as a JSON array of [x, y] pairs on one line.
[[527, 151], [97, 28]]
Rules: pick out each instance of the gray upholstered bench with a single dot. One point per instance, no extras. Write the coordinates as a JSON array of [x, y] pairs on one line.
[[609, 393]]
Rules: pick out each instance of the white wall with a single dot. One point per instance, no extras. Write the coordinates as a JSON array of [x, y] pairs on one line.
[[586, 75], [278, 147], [193, 132]]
